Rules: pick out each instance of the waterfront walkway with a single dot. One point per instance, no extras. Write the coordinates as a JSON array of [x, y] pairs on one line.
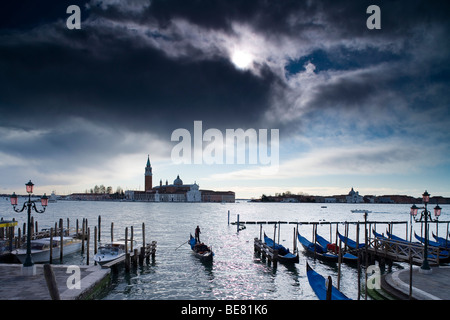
[[15, 286], [434, 286]]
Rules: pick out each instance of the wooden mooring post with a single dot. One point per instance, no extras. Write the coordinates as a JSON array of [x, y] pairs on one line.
[[51, 246], [82, 236], [146, 252], [95, 240], [99, 227], [112, 231], [266, 252], [61, 241], [127, 254], [133, 256], [87, 245], [51, 282]]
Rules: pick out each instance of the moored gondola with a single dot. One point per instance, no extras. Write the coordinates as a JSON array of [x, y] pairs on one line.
[[443, 242], [319, 286], [350, 243], [316, 249], [284, 255], [444, 255], [430, 243], [332, 248]]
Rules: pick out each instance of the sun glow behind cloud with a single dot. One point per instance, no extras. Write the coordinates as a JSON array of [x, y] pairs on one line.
[[242, 59]]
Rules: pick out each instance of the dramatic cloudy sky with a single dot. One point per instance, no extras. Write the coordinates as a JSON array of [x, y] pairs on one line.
[[354, 107]]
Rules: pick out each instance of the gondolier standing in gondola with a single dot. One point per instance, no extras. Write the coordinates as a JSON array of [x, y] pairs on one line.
[[197, 234]]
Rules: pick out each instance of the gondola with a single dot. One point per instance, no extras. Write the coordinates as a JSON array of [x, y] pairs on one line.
[[430, 243], [318, 284], [392, 237], [395, 238], [316, 249], [379, 235], [347, 257], [201, 250], [349, 242], [444, 243], [443, 255], [283, 253]]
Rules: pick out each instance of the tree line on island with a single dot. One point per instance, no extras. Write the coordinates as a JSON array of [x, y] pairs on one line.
[[101, 189], [304, 197]]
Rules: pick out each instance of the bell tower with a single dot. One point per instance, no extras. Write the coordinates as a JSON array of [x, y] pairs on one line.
[[148, 176]]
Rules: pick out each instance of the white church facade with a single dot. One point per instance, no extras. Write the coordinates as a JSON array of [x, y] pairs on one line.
[[354, 197], [175, 192]]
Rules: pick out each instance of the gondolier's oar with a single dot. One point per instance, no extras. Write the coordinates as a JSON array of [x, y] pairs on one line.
[[182, 244]]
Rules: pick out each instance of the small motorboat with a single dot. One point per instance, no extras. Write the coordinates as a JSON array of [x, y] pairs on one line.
[[360, 211], [111, 251], [40, 249]]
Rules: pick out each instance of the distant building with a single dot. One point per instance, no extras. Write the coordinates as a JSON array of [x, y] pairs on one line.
[[176, 192], [384, 199], [354, 197], [217, 196], [369, 199], [89, 196]]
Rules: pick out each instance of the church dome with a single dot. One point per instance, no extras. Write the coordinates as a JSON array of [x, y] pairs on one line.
[[178, 181]]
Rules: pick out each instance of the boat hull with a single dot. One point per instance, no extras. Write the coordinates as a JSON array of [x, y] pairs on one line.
[[205, 256], [111, 251], [346, 257], [443, 242], [317, 283], [42, 256], [102, 259], [284, 255], [289, 258], [316, 250]]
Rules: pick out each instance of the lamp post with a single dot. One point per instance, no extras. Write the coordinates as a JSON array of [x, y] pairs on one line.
[[28, 266], [425, 214]]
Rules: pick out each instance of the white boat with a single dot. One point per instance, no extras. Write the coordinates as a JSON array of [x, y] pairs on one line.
[[111, 251], [53, 197], [360, 211], [40, 249]]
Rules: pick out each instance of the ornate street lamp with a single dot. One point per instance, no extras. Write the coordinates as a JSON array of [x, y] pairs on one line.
[[28, 266], [425, 214]]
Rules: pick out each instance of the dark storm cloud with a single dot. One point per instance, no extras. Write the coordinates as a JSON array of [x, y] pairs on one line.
[[133, 67], [107, 74], [137, 88]]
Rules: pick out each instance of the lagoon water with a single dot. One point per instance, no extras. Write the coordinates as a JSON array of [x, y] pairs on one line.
[[236, 273]]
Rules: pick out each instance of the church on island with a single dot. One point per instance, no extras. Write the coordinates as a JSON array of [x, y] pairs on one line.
[[354, 197], [175, 192]]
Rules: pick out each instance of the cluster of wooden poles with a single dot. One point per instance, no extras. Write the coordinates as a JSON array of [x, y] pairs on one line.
[[362, 254], [83, 233], [134, 256]]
